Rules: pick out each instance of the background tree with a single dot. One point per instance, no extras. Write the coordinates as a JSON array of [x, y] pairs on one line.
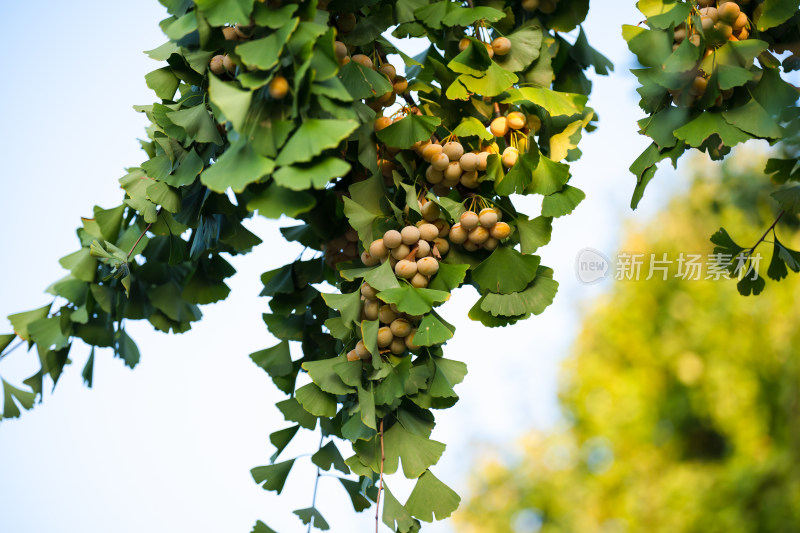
[[681, 399]]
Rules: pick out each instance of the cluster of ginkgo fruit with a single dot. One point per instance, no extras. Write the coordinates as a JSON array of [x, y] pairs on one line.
[[413, 251], [451, 165], [342, 248], [719, 24], [396, 331], [483, 230], [222, 64], [514, 128]]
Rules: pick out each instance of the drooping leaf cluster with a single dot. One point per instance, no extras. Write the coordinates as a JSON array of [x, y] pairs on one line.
[[271, 108], [703, 87]]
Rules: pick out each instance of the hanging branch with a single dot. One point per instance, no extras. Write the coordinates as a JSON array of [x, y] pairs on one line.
[[380, 485]]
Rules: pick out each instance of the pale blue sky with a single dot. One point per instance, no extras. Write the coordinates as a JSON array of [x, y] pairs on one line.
[[169, 446]]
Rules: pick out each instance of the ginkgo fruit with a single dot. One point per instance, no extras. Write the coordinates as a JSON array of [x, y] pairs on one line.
[[378, 249], [389, 70], [410, 235], [371, 309], [367, 291], [400, 327], [405, 268], [453, 171], [382, 122], [468, 162], [516, 120], [510, 156], [352, 355], [433, 176], [392, 239], [458, 234], [278, 87], [490, 244], [483, 160], [487, 217], [409, 340], [441, 245], [431, 150], [398, 346], [440, 162], [428, 232], [423, 249], [230, 66], [340, 49], [387, 315], [500, 231], [430, 211], [463, 44], [470, 179], [499, 127], [468, 220], [419, 281], [428, 266], [729, 12], [400, 85], [478, 235], [454, 150], [501, 46], [401, 252], [363, 60], [216, 66], [385, 337], [229, 33], [368, 259], [361, 350]]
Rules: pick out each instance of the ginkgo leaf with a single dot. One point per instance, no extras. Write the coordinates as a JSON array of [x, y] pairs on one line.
[[272, 477], [534, 299], [238, 167], [323, 374], [412, 300], [430, 498], [408, 130], [506, 271], [316, 175], [316, 401], [312, 137]]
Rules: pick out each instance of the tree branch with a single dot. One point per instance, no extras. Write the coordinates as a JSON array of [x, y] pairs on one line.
[[380, 485]]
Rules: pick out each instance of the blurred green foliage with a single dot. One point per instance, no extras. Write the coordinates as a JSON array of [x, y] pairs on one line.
[[682, 398]]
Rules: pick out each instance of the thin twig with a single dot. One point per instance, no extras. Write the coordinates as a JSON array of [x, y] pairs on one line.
[[780, 215], [497, 113], [380, 485], [150, 225], [316, 484]]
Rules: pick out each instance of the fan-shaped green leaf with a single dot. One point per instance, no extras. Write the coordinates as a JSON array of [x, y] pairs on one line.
[[430, 498], [272, 477], [535, 299], [506, 271], [409, 130], [312, 137], [316, 175], [412, 300]]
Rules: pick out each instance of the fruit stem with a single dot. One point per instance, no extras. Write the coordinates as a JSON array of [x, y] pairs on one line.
[[497, 113]]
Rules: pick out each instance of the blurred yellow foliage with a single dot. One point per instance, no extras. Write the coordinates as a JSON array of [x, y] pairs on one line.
[[681, 399]]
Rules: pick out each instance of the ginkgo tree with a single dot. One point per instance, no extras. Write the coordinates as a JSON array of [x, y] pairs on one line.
[[401, 185]]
